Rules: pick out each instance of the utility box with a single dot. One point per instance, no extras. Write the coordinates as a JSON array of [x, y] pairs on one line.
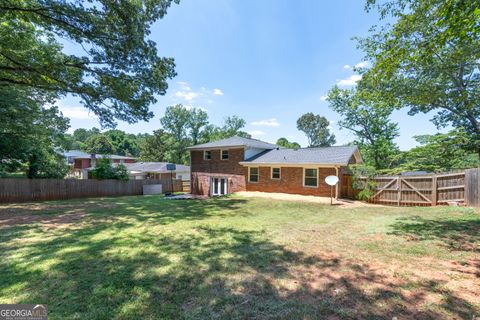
[[150, 189]]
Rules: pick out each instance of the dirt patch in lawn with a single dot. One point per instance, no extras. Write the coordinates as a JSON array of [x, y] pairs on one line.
[[342, 203], [48, 214]]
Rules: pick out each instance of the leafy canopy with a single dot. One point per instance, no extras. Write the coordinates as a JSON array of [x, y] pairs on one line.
[[428, 60], [368, 117], [283, 142], [117, 71], [316, 129]]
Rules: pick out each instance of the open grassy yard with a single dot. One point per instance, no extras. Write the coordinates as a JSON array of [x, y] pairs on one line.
[[239, 258]]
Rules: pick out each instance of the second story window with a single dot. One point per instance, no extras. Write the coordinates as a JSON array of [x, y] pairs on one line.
[[224, 155], [207, 155]]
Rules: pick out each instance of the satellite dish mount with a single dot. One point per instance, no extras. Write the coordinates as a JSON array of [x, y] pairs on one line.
[[331, 181]]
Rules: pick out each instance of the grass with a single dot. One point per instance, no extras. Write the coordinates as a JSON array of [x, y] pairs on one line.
[[239, 258]]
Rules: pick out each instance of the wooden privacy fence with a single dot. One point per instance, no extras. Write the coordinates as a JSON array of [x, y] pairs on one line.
[[422, 190], [21, 190]]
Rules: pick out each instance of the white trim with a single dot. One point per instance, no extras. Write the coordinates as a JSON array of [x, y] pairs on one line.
[[221, 154], [258, 175], [303, 182], [205, 152], [279, 172]]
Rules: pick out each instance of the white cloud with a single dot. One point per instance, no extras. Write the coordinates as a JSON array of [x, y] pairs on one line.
[[190, 107], [347, 66], [331, 124], [323, 98], [350, 81], [273, 122], [217, 92], [363, 64], [256, 133], [187, 94], [76, 112]]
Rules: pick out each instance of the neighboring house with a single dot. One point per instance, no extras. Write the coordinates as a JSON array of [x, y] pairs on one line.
[[157, 170], [82, 162], [241, 164]]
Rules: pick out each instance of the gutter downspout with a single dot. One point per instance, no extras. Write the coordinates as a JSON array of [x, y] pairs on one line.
[[336, 186]]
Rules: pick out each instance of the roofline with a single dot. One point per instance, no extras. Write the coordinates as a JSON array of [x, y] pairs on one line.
[[215, 148], [294, 164]]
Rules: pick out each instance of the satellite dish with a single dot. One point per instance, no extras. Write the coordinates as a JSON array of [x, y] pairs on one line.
[[331, 180]]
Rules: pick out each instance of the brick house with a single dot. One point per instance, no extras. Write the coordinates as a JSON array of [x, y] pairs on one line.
[[241, 164]]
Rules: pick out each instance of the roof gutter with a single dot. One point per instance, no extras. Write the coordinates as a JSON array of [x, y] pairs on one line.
[[299, 164]]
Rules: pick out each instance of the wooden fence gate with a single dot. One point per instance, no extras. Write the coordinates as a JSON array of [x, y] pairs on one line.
[[423, 190]]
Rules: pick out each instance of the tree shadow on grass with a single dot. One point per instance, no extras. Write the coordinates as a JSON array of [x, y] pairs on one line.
[[461, 234], [207, 273]]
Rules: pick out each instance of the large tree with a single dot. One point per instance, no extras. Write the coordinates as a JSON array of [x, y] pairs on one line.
[[158, 147], [368, 117], [116, 71], [428, 60], [316, 129], [31, 135]]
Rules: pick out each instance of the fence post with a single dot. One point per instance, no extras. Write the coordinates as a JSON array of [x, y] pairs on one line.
[[399, 190], [434, 190]]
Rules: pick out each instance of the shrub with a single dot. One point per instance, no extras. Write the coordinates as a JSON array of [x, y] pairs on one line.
[[363, 179]]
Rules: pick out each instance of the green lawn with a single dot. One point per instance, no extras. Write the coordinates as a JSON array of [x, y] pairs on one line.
[[239, 258]]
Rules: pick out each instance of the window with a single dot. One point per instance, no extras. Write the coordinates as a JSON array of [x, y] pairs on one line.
[[207, 155], [253, 174], [224, 155], [276, 173], [310, 178]]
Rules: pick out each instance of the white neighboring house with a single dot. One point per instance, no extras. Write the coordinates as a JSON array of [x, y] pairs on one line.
[[157, 170]]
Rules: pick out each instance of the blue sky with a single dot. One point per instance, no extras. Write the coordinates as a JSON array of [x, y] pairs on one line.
[[266, 61]]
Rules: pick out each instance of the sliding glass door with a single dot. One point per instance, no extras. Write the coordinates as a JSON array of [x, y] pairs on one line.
[[219, 186]]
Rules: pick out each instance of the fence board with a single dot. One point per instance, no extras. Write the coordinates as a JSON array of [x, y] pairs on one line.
[[472, 187], [427, 190], [22, 190]]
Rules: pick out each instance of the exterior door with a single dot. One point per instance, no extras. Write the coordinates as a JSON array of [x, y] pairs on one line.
[[219, 186]]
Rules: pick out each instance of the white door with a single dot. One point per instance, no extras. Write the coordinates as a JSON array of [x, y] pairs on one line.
[[219, 186]]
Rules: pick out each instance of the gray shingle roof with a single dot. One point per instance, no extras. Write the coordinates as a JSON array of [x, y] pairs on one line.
[[235, 141], [158, 167], [328, 155]]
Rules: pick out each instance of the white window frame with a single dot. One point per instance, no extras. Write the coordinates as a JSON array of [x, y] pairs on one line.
[[221, 154], [205, 154], [304, 176], [258, 174], [279, 173]]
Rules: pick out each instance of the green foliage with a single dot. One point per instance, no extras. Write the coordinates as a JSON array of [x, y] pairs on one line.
[[104, 170], [316, 129], [427, 60], [116, 75], [441, 152], [30, 134], [183, 127], [99, 143], [368, 117], [156, 147], [363, 180], [43, 163], [283, 142]]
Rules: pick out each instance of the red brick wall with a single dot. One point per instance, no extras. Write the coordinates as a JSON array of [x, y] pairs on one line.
[[81, 163], [203, 170], [291, 181]]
